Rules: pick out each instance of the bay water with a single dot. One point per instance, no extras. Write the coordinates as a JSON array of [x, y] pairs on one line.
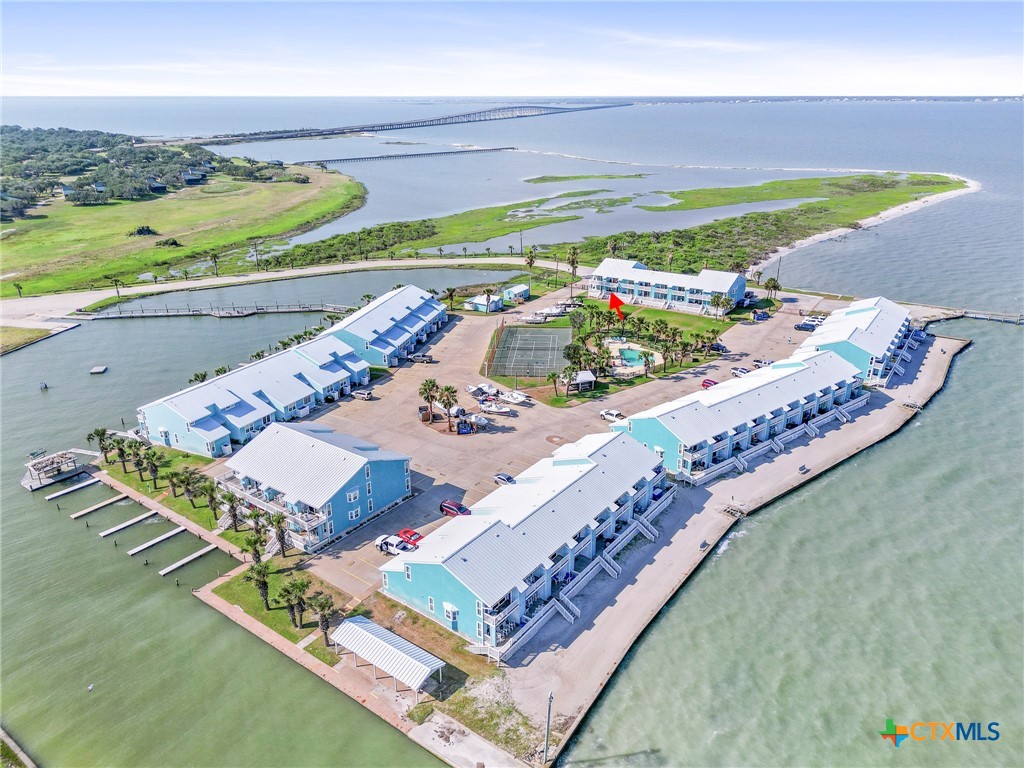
[[890, 588]]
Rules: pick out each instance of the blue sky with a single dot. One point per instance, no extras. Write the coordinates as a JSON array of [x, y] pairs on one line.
[[509, 49]]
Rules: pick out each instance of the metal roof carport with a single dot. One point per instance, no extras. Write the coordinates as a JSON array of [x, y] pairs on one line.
[[384, 650]]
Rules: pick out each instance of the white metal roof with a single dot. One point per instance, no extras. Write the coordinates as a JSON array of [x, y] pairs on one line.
[[406, 662], [306, 463], [518, 287], [381, 314], [871, 324], [709, 280], [481, 298], [517, 527], [711, 412]]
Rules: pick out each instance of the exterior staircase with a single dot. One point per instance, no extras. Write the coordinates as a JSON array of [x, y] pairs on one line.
[[612, 568], [646, 528]]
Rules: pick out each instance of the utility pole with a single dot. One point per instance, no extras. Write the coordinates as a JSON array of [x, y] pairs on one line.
[[547, 729], [520, 242]]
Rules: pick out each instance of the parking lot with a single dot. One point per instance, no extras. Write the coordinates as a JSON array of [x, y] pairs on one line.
[[461, 467]]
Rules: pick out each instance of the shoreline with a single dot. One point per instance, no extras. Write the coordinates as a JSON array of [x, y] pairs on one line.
[[871, 221]]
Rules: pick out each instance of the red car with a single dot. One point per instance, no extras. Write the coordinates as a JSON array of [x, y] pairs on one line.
[[409, 536], [708, 383], [454, 508]]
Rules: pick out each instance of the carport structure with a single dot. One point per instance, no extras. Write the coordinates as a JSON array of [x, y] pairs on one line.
[[403, 661]]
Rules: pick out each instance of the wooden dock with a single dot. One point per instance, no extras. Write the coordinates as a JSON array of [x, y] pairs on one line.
[[187, 560], [144, 516], [154, 542], [72, 489], [94, 507], [235, 310]]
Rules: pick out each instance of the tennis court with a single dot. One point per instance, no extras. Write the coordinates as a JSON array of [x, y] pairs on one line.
[[530, 351]]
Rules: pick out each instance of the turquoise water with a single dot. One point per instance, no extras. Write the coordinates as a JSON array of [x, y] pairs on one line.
[[631, 356], [891, 587]]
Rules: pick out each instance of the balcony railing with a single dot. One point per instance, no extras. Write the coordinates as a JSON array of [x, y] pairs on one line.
[[497, 618], [309, 519]]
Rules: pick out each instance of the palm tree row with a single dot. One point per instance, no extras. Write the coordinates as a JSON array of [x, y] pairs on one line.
[[446, 396], [294, 596]]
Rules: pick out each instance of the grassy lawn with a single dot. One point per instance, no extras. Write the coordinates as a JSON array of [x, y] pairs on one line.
[[11, 338], [245, 595], [322, 652], [551, 179], [8, 757], [62, 247], [172, 461], [687, 322]]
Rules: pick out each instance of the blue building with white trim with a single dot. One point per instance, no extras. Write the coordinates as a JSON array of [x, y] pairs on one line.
[[708, 433], [389, 328], [485, 302], [637, 285], [527, 547], [518, 292], [324, 482], [873, 334], [212, 417]]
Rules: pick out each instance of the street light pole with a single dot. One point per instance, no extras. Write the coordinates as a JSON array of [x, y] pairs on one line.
[[547, 729]]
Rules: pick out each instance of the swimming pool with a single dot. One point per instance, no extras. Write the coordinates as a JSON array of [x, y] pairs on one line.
[[631, 356]]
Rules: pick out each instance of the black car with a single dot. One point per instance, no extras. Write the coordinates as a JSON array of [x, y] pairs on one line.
[[716, 347], [804, 327]]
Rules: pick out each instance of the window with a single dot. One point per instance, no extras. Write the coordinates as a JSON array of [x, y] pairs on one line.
[[188, 427], [329, 528], [353, 514], [408, 573], [479, 629], [369, 505], [479, 608], [679, 465], [369, 489], [408, 484], [430, 604], [175, 437], [407, 467], [352, 495], [367, 345], [385, 580], [450, 614], [367, 471]]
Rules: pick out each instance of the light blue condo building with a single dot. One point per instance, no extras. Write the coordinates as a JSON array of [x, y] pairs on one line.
[[324, 482], [389, 328], [635, 284]]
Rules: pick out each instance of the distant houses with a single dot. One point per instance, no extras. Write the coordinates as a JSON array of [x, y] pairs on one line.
[[389, 328], [485, 303], [191, 179], [706, 434], [324, 482], [635, 284], [494, 576], [516, 293], [872, 334], [157, 187]]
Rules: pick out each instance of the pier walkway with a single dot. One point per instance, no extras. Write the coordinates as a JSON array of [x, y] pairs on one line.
[[406, 155], [235, 310], [72, 489], [187, 559], [127, 524], [99, 505], [192, 527], [154, 542]]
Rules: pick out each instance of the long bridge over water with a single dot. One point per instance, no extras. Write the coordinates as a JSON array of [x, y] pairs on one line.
[[477, 116]]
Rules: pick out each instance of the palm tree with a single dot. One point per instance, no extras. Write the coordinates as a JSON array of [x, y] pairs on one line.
[[120, 446], [487, 251], [293, 595], [573, 260], [151, 461], [448, 294], [772, 286], [101, 436], [134, 450], [684, 349], [448, 397], [530, 260], [211, 493], [231, 505], [757, 276], [278, 522], [659, 327], [252, 544], [258, 355], [648, 360], [190, 484], [199, 377], [367, 298], [665, 348], [259, 574], [284, 343], [174, 481], [18, 287], [602, 359], [323, 606], [214, 258], [221, 371], [553, 379], [428, 391], [577, 319], [440, 251]]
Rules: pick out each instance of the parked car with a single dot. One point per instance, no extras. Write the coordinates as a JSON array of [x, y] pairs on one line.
[[409, 536], [749, 295], [763, 363], [392, 545], [610, 414], [454, 508], [362, 394], [816, 319], [804, 327], [421, 357], [760, 316], [719, 347], [738, 372], [708, 383], [502, 478]]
